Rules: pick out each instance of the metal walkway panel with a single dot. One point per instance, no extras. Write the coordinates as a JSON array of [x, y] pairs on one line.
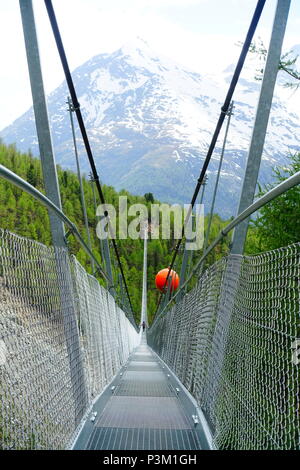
[[143, 412], [142, 358], [144, 388], [143, 366], [143, 439], [143, 352], [149, 376]]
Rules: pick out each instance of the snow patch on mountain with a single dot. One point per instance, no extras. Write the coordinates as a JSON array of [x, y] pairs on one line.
[[150, 122]]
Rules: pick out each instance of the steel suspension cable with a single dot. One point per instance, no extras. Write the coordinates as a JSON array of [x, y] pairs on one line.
[[76, 106], [224, 110]]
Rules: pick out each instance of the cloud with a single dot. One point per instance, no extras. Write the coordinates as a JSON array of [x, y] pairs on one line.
[[165, 3], [90, 27]]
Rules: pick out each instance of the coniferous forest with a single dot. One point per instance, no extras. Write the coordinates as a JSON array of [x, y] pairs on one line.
[[23, 215]]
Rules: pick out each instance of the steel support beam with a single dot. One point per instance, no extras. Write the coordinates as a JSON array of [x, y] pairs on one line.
[[261, 122], [41, 119]]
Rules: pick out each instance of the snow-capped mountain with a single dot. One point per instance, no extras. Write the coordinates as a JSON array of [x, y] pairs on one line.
[[150, 122]]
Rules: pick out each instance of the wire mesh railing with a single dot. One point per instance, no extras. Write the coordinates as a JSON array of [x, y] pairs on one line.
[[230, 341], [62, 339]]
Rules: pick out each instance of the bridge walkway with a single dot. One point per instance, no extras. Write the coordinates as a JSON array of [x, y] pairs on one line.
[[144, 408]]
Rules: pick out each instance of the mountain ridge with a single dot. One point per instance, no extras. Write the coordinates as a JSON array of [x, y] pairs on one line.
[[150, 122]]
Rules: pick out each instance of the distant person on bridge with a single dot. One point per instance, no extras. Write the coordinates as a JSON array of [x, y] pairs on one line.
[[144, 325]]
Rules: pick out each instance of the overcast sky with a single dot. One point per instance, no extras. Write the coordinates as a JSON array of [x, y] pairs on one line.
[[200, 34]]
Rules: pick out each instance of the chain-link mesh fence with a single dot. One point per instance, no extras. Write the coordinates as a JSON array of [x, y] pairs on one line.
[[232, 342], [62, 338]]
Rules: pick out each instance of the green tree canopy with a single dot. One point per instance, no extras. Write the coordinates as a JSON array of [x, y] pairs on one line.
[[278, 222], [149, 197]]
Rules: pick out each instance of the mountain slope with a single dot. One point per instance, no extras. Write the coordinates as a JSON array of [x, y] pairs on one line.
[[150, 123]]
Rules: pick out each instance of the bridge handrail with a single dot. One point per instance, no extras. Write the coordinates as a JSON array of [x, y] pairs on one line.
[[269, 196], [28, 188]]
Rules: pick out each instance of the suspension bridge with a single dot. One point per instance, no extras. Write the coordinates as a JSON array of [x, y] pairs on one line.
[[218, 368]]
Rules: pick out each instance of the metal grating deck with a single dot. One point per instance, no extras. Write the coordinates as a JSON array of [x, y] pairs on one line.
[[143, 366], [143, 412], [144, 376], [144, 389], [143, 439], [142, 358]]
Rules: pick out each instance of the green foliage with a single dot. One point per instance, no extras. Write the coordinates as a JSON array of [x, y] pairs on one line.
[[277, 224], [149, 197], [286, 63], [23, 215]]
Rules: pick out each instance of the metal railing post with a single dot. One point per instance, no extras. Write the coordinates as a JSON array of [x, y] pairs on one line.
[[41, 119], [261, 122], [52, 191]]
